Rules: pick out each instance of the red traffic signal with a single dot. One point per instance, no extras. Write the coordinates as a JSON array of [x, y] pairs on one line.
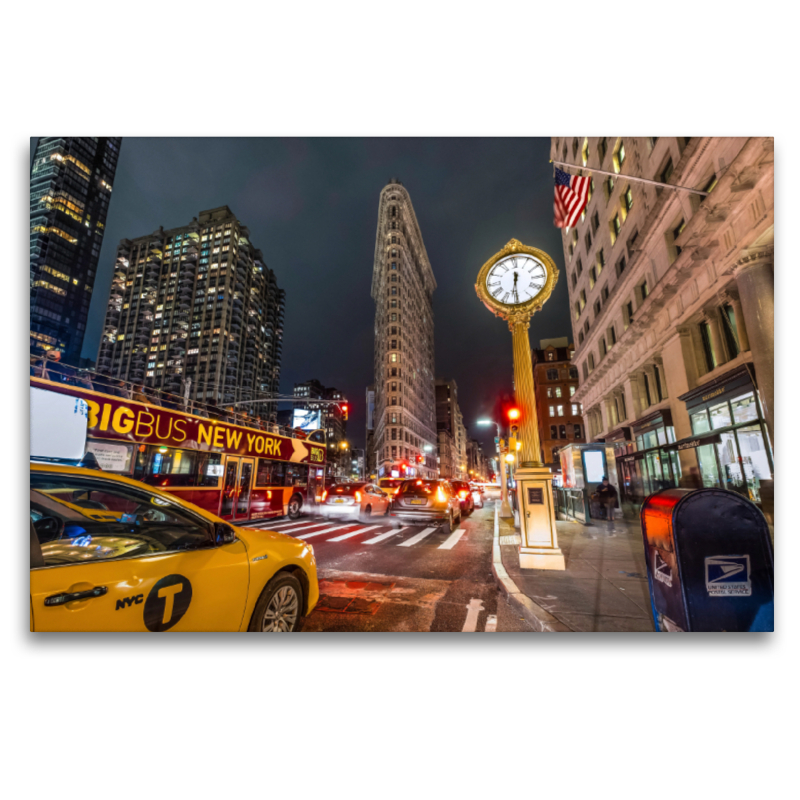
[[514, 413], [345, 409]]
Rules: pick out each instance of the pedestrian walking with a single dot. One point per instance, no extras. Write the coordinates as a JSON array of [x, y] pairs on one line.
[[607, 495]]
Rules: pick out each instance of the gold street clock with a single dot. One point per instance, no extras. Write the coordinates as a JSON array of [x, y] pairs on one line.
[[516, 281], [513, 284]]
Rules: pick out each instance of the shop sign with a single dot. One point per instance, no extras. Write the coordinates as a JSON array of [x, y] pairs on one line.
[[715, 393], [696, 441]]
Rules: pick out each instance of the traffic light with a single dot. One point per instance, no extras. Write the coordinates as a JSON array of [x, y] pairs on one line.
[[345, 409], [514, 414]]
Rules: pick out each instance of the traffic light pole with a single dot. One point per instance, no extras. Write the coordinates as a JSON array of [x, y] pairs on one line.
[[505, 507]]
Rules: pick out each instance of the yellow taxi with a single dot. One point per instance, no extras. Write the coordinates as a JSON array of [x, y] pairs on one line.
[[391, 485], [111, 554]]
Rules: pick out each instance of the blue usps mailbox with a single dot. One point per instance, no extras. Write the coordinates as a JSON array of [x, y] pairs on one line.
[[709, 561]]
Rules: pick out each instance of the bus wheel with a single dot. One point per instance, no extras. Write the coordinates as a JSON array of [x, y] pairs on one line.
[[295, 504]]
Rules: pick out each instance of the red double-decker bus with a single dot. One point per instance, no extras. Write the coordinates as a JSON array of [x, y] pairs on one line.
[[222, 463]]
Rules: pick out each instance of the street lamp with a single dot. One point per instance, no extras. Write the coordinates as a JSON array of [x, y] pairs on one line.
[[505, 507]]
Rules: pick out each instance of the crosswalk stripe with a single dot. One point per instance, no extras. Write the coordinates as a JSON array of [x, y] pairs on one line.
[[452, 539], [381, 536], [300, 526], [354, 533], [289, 523], [418, 538], [326, 529]]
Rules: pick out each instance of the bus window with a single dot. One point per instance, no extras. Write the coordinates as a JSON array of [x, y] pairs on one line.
[[269, 473], [169, 466], [209, 469], [278, 472], [296, 474], [317, 436]]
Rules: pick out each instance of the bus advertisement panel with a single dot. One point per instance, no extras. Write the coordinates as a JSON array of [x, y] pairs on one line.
[[232, 470]]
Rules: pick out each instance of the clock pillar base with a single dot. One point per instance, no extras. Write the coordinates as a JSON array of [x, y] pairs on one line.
[[539, 548]]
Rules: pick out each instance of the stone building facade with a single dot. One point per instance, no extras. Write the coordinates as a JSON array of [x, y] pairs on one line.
[[404, 440], [672, 303], [196, 311], [555, 382]]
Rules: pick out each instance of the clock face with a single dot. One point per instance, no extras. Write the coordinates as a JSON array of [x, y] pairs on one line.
[[516, 279]]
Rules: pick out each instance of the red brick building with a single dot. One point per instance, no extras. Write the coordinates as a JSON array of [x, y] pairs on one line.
[[555, 380]]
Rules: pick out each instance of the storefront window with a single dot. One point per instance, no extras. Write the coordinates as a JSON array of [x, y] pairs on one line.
[[700, 423], [744, 408], [754, 459], [732, 477], [707, 461], [677, 473], [720, 416], [670, 434], [649, 439], [662, 436]]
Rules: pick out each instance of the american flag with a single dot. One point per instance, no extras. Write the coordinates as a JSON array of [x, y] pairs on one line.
[[572, 194]]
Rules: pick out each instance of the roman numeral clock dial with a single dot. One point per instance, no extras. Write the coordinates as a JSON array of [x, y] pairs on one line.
[[516, 279]]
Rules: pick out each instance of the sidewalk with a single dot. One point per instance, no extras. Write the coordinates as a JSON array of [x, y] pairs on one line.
[[604, 587]]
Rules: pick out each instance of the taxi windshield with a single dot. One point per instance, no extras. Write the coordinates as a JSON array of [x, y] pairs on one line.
[[79, 521]]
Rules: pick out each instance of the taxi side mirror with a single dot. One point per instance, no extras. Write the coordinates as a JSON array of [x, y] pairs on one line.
[[224, 534]]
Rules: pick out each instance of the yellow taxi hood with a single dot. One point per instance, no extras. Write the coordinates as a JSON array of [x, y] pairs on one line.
[[261, 535]]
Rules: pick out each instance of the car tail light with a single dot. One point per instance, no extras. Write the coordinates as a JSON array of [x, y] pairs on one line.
[[324, 495], [462, 494], [358, 497]]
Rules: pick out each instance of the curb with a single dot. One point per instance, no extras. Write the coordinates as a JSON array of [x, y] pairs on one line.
[[542, 620]]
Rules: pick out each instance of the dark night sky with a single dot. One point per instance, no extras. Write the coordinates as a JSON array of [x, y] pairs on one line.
[[311, 207]]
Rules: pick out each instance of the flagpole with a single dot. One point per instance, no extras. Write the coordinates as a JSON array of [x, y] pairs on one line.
[[630, 178]]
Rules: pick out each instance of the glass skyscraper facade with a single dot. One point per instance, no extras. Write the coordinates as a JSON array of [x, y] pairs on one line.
[[196, 312], [71, 183]]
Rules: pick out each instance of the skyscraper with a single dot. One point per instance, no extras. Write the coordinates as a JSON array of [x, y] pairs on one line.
[[71, 181], [451, 431], [198, 304], [404, 441]]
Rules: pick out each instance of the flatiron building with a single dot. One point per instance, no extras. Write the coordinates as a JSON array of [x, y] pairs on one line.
[[404, 442]]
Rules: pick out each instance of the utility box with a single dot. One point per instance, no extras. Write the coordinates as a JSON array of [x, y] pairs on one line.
[[709, 561]]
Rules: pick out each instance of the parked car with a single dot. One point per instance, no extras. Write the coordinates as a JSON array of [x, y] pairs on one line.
[[426, 501], [109, 553], [354, 500], [464, 492]]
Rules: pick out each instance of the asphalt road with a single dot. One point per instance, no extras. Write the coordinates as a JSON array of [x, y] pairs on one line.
[[375, 576]]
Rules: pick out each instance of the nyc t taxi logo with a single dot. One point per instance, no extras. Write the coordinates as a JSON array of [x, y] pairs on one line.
[[728, 576]]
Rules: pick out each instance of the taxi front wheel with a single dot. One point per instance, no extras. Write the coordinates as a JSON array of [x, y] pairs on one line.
[[278, 610]]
